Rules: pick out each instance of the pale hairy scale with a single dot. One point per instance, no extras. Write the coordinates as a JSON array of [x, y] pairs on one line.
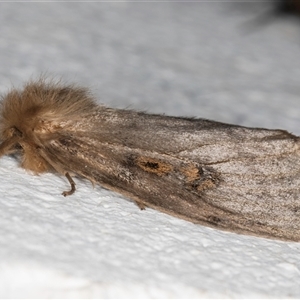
[[244, 180]]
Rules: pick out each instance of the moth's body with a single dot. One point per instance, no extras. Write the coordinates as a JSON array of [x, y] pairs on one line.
[[245, 180]]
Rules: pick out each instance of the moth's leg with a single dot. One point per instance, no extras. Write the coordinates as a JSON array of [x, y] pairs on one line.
[[140, 205], [72, 183], [7, 146]]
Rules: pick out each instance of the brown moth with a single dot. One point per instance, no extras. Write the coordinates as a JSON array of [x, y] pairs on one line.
[[244, 180]]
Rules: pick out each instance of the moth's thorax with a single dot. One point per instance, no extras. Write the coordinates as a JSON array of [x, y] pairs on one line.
[[43, 108]]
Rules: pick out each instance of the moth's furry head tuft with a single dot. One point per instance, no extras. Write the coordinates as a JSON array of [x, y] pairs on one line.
[[43, 101], [32, 117]]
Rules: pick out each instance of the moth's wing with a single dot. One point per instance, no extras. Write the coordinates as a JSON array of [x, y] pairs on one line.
[[262, 192], [234, 178], [259, 181]]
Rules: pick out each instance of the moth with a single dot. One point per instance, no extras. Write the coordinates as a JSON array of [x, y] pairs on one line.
[[239, 179]]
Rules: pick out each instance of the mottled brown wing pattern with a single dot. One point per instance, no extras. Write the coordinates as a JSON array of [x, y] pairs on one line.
[[250, 186]]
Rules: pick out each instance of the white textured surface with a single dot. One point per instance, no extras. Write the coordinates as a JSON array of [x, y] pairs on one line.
[[174, 58]]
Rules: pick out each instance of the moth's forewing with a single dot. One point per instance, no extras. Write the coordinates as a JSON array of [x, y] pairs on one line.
[[235, 178]]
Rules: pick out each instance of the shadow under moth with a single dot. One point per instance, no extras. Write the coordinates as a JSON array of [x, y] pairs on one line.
[[244, 180]]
